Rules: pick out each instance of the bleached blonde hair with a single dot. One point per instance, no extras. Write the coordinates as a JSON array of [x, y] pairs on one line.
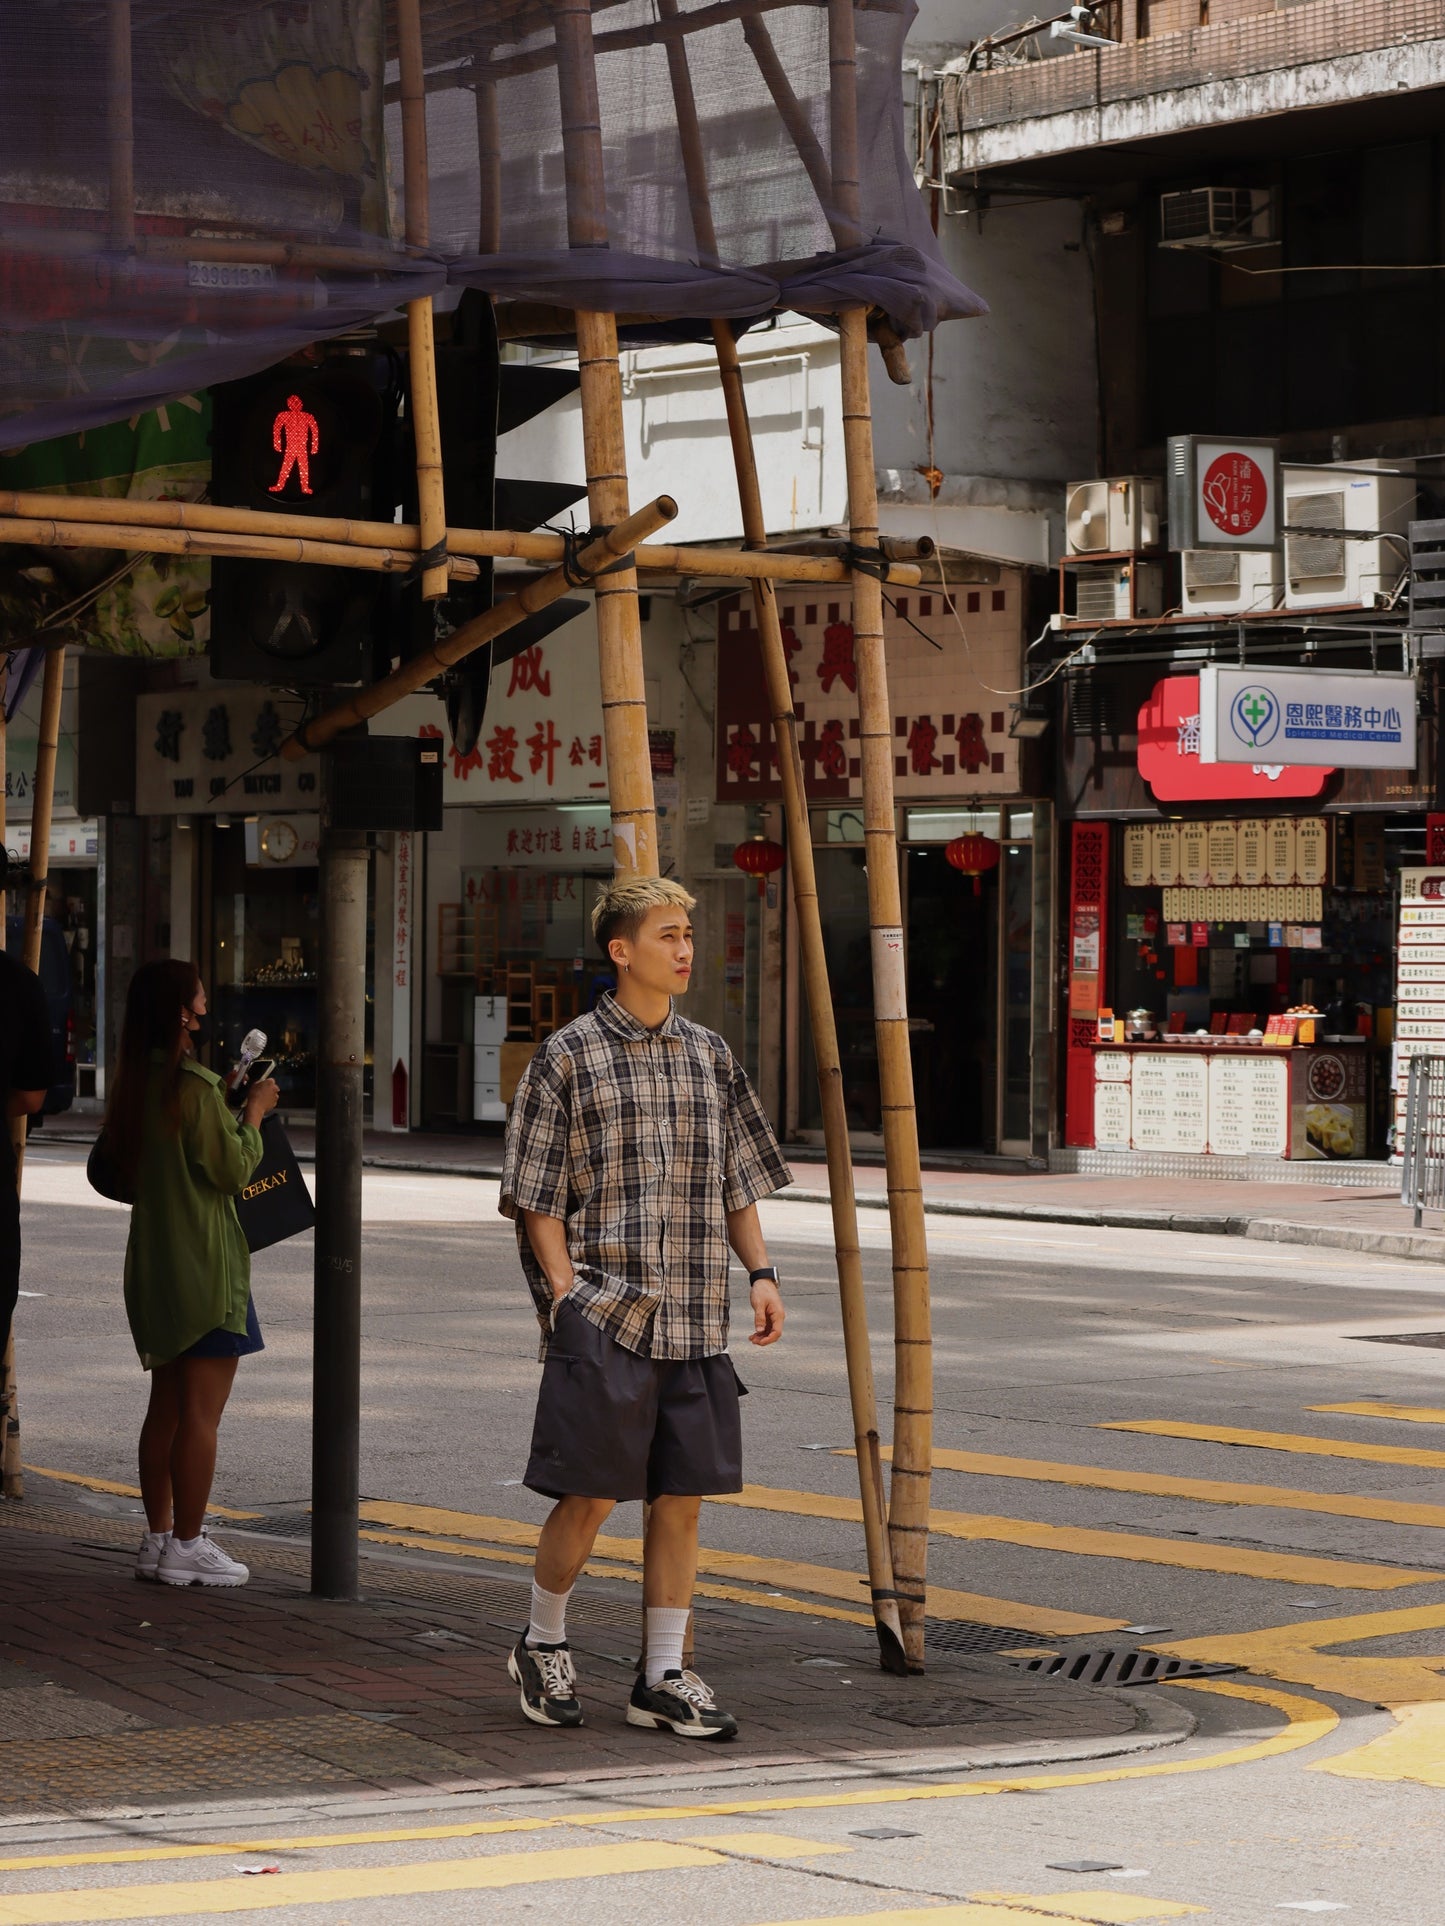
[[623, 906]]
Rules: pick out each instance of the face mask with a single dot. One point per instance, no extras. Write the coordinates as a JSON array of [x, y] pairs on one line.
[[201, 1034]]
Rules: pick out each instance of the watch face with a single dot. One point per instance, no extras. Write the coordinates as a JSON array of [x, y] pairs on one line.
[[279, 841]]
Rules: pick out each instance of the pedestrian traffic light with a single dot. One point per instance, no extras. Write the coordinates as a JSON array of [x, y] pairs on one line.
[[311, 439], [479, 397]]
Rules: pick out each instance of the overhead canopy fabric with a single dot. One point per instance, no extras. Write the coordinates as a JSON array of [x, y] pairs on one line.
[[192, 190]]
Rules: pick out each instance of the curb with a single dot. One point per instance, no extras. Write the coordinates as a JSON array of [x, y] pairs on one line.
[[1422, 1246]]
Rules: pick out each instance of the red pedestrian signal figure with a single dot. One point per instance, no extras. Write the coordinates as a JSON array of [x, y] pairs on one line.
[[296, 436]]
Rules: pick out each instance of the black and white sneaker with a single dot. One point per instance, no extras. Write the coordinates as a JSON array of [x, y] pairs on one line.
[[547, 1681], [680, 1700]]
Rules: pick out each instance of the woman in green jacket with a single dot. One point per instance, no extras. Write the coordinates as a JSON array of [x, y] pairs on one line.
[[184, 1156]]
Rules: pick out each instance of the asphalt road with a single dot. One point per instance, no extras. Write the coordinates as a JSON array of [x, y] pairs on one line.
[[1046, 1340]]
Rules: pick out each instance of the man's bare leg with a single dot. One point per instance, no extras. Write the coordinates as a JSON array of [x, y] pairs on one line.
[[540, 1662], [566, 1540], [669, 1567]]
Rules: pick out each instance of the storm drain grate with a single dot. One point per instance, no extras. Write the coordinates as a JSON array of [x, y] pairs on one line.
[[281, 1524], [1127, 1666], [1433, 1340], [963, 1635]]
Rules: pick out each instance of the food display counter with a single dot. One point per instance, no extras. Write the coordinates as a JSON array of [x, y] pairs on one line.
[[1233, 1096]]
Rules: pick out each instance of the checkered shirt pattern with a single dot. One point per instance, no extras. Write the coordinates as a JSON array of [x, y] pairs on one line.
[[641, 1141]]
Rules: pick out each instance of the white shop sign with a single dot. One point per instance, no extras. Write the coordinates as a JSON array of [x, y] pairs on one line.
[[73, 845], [1333, 719], [214, 752]]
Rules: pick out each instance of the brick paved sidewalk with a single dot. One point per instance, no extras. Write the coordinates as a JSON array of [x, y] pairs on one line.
[[114, 1692]]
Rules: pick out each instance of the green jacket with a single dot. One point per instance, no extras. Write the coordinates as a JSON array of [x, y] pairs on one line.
[[187, 1268]]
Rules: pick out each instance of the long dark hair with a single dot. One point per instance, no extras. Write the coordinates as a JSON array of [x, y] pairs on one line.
[[158, 994]]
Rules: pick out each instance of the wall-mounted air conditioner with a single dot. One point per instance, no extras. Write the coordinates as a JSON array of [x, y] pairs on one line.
[[1115, 515], [1237, 581], [1126, 591], [1218, 219], [1360, 566]]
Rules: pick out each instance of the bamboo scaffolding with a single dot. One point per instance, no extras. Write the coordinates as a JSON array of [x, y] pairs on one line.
[[50, 533], [619, 626], [421, 336], [842, 1199], [471, 636], [129, 525], [489, 159], [913, 1392]]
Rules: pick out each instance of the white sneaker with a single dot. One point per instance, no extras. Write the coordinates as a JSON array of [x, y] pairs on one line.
[[203, 1564], [148, 1558]]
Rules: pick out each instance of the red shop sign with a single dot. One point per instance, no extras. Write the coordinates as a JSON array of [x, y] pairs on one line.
[[1169, 755]]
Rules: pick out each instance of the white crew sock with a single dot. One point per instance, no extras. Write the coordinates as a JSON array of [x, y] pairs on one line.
[[548, 1623], [186, 1544], [666, 1630]]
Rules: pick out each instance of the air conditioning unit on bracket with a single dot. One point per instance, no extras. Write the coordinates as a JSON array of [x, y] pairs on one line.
[[1218, 219], [1360, 567], [1229, 581], [1120, 591], [1113, 515]]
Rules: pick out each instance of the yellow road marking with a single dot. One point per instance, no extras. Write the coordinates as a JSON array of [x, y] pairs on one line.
[[1405, 1413], [766, 1845], [1307, 1721], [1415, 1750], [825, 1580], [1206, 1491], [1299, 1655], [1375, 1454], [192, 1898], [1108, 1909], [87, 1483], [1083, 1541]]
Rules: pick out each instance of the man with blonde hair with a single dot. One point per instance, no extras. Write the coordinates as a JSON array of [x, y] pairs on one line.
[[636, 1155]]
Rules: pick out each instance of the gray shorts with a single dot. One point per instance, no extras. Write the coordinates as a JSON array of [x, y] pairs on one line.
[[612, 1424]]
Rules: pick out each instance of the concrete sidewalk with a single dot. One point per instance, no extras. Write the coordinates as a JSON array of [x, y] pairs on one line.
[[116, 1694], [1283, 1213]]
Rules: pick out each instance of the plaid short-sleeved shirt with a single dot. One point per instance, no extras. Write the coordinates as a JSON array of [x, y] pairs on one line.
[[641, 1141]]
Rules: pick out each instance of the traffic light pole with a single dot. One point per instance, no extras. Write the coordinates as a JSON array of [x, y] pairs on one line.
[[336, 1349]]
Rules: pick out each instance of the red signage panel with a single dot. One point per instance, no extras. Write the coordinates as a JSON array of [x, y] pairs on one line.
[[1169, 756]]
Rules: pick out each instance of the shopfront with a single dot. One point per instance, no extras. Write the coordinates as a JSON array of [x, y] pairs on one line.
[[971, 936], [1230, 946]]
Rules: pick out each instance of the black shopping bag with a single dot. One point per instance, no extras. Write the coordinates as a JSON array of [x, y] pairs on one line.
[[276, 1203]]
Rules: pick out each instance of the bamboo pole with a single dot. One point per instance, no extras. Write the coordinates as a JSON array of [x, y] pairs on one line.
[[471, 636], [421, 337], [9, 1400], [790, 112], [120, 127], [913, 1390], [51, 689], [619, 626], [489, 160], [50, 533], [141, 517], [857, 1352]]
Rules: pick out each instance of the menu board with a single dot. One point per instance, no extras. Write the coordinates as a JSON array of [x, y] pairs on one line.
[[1251, 852], [1152, 1096], [1166, 854], [1193, 854], [1112, 1066], [1419, 980], [1327, 1099], [1311, 849], [1223, 848], [1138, 868], [1296, 904], [1112, 1116], [1187, 1084], [1279, 850]]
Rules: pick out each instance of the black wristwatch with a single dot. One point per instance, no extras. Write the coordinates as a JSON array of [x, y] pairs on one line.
[[768, 1270]]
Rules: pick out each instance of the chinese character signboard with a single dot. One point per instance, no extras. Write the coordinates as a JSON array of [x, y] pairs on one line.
[[1223, 494], [947, 664], [213, 752], [1170, 762], [1341, 718]]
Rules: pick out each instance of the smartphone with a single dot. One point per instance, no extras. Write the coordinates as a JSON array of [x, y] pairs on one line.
[[259, 1072]]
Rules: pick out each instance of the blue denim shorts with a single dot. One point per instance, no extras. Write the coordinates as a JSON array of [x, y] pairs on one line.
[[221, 1343]]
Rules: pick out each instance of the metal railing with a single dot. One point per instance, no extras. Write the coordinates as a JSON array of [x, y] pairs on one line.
[[1422, 1182]]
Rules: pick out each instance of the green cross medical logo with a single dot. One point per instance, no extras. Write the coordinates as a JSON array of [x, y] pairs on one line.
[[1254, 716]]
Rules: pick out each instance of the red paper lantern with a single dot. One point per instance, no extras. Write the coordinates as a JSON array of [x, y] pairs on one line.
[[973, 855], [760, 857]]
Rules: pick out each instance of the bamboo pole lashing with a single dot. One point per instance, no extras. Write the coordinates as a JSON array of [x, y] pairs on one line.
[[420, 330], [842, 1199], [415, 673], [141, 517], [52, 533]]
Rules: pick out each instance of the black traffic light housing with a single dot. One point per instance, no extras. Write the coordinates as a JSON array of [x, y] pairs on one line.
[[315, 439], [479, 397]]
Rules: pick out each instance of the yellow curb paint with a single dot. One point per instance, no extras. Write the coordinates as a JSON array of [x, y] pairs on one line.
[[1082, 1541], [765, 1845], [1415, 1750], [825, 1580], [87, 1483], [1105, 1909], [1204, 1491], [1307, 1721], [1374, 1454], [1298, 1654], [196, 1898], [1402, 1413]]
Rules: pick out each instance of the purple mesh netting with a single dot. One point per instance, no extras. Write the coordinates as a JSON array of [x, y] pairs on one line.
[[264, 148]]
